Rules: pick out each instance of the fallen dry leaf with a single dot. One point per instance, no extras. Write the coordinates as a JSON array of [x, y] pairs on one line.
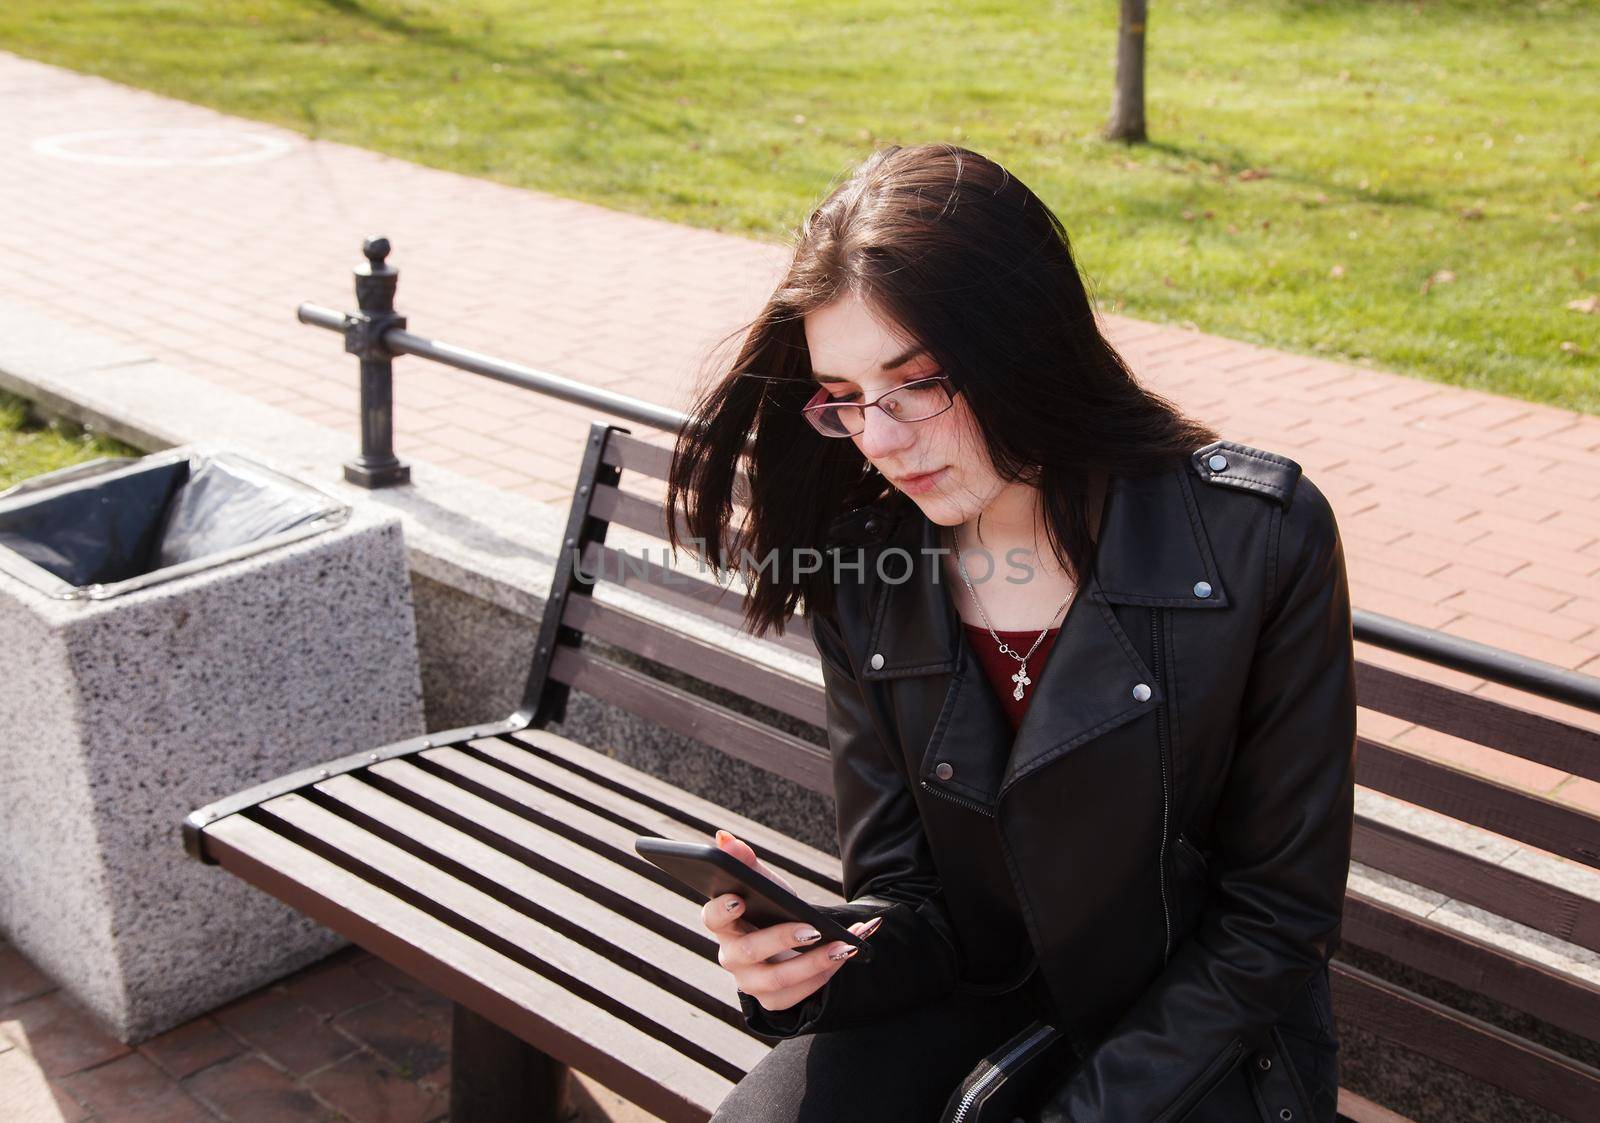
[[1439, 277], [1336, 272], [1471, 213], [1254, 173], [1589, 304], [1583, 207], [1570, 348]]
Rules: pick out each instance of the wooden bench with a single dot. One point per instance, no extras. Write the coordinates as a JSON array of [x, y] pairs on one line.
[[495, 863]]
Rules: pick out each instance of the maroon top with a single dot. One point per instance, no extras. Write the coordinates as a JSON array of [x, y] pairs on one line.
[[1000, 667]]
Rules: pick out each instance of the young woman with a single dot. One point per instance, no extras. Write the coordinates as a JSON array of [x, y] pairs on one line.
[[1089, 680]]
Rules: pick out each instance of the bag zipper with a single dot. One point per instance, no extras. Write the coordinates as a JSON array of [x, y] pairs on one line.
[[1161, 745], [999, 1069], [961, 799]]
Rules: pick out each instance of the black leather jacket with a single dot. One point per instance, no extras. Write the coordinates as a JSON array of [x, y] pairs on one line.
[[1175, 811]]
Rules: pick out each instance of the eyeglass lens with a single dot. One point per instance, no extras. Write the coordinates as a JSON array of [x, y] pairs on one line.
[[915, 401]]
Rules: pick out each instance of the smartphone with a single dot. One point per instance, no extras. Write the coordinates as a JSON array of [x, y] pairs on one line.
[[711, 871]]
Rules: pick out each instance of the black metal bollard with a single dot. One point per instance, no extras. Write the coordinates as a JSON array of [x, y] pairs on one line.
[[377, 465]]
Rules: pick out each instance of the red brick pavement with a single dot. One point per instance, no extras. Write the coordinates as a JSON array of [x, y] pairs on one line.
[[349, 1038], [1462, 511]]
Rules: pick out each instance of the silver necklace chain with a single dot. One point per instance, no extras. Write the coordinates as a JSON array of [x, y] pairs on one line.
[[1021, 677]]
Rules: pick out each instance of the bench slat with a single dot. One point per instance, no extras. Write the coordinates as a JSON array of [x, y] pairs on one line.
[[631, 889], [600, 563], [624, 450], [1483, 968], [712, 664], [689, 972], [1477, 881], [1562, 830], [679, 588], [776, 849], [687, 1028], [632, 1063], [1480, 719], [639, 815], [1467, 1044], [648, 516], [600, 840], [717, 726], [1359, 1109]]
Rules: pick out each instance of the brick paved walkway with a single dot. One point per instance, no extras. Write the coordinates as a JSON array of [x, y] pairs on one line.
[[1461, 511], [349, 1038]]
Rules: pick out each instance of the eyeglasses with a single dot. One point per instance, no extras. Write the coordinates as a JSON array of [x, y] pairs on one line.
[[914, 401]]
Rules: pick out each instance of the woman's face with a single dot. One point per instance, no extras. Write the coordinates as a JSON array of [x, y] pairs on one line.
[[850, 351]]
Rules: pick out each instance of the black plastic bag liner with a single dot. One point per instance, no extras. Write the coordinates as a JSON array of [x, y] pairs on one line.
[[100, 529]]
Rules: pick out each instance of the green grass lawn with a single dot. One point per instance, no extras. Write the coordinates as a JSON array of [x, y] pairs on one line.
[[1411, 184], [29, 447]]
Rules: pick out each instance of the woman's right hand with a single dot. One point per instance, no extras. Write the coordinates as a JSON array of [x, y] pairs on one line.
[[764, 962]]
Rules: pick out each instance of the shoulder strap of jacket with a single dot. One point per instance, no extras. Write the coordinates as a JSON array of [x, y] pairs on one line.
[[1250, 469]]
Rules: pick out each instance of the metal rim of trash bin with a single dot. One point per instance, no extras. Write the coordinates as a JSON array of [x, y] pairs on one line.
[[36, 488]]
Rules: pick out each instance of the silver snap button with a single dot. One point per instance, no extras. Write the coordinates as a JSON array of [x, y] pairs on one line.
[[1264, 1063], [944, 771], [870, 526], [1285, 1114], [1217, 462], [1141, 693], [877, 660], [1202, 588]]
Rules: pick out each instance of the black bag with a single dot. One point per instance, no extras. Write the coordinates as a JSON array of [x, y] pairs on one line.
[[1012, 1078]]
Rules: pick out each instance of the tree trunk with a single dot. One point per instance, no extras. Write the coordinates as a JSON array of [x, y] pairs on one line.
[[1127, 102]]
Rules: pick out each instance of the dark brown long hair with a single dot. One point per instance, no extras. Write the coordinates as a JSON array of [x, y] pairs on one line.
[[971, 264]]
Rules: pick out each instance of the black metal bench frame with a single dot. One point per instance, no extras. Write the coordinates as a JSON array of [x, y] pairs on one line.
[[494, 862]]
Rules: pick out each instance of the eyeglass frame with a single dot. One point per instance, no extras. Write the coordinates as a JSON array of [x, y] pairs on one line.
[[814, 408]]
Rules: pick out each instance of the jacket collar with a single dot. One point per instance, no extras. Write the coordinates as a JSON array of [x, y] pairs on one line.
[[1152, 550]]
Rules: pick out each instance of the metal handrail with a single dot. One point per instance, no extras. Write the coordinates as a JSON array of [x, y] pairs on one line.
[[377, 334], [398, 341]]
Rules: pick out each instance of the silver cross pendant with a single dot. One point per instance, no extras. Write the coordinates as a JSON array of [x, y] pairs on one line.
[[1021, 679]]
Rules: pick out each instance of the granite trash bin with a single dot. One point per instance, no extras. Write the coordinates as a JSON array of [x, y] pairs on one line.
[[173, 628]]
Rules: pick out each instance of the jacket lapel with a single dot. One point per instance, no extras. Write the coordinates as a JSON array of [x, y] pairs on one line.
[[1152, 550]]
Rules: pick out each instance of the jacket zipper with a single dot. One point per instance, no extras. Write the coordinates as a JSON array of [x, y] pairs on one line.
[[961, 799], [998, 1070], [1161, 744]]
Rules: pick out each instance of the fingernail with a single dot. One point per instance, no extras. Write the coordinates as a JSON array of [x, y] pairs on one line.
[[806, 935], [732, 905], [723, 836], [843, 951], [872, 926]]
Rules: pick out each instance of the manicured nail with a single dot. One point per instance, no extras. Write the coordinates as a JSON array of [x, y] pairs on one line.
[[872, 926], [806, 935], [843, 951], [732, 904]]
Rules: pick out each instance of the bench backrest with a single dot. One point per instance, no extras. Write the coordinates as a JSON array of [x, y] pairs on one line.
[[1543, 1075], [561, 663]]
